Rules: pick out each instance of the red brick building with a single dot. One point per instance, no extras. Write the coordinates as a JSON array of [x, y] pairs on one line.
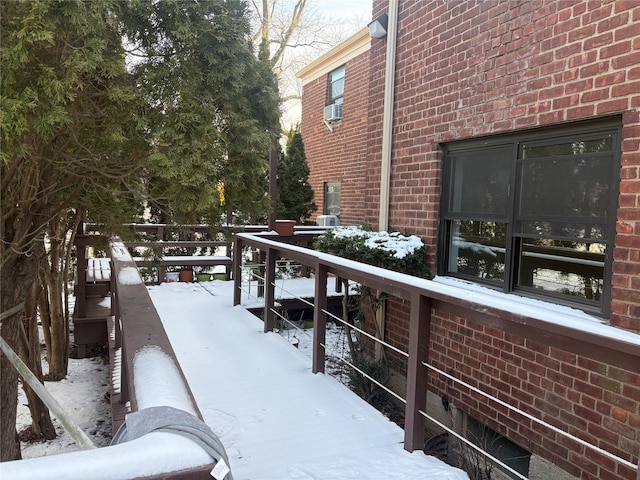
[[338, 147], [512, 136]]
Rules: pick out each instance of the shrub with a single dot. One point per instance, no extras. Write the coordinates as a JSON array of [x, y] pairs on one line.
[[393, 251]]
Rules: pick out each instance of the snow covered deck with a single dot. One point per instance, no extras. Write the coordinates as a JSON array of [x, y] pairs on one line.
[[276, 419]]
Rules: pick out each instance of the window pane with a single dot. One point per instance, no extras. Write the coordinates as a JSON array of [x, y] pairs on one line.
[[332, 198], [567, 229], [566, 187], [478, 249], [480, 181], [336, 86], [569, 148], [337, 89], [566, 268]]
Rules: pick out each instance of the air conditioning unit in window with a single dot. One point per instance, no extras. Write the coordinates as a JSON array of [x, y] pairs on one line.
[[328, 221], [332, 113]]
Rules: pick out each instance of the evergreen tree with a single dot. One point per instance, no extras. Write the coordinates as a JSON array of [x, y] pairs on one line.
[[211, 106], [81, 132], [295, 195]]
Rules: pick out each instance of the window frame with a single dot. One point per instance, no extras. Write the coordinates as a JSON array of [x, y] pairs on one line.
[[514, 246], [325, 203], [337, 99]]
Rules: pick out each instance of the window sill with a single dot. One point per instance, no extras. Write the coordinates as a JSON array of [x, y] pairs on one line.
[[493, 296]]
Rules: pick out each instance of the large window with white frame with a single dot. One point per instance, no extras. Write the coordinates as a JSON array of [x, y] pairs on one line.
[[534, 213]]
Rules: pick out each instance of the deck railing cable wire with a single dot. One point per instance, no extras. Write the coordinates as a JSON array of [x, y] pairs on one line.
[[330, 352], [367, 376], [403, 400], [531, 417], [368, 335], [472, 445], [296, 297], [425, 415]]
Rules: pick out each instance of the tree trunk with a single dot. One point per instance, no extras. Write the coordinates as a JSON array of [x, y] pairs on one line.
[[41, 424], [15, 282], [345, 317], [52, 283]]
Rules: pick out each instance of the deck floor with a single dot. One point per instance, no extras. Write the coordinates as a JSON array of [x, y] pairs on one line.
[[276, 419]]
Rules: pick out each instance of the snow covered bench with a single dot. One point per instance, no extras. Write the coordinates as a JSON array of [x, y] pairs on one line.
[[93, 290]]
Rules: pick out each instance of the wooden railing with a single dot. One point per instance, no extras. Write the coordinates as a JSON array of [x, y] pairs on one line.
[[425, 297]]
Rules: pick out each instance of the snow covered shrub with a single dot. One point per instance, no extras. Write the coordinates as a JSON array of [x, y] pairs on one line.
[[393, 251]]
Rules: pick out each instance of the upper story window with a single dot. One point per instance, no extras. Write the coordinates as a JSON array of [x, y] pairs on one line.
[[336, 86], [534, 213]]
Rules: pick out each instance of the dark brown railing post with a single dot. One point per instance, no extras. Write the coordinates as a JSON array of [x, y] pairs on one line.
[[237, 270], [419, 327], [269, 290], [319, 319], [81, 272], [261, 272]]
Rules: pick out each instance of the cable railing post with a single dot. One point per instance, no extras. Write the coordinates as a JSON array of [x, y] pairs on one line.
[[319, 319], [269, 290], [417, 373], [237, 270]]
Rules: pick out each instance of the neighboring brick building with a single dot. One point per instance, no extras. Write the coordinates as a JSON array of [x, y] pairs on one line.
[[338, 148], [516, 157]]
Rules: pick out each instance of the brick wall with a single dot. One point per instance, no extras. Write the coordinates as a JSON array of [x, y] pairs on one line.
[[468, 69], [339, 155]]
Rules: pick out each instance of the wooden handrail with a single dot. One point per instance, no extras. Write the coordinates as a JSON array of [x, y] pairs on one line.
[[599, 342]]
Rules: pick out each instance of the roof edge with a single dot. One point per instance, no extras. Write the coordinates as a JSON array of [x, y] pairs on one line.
[[350, 48]]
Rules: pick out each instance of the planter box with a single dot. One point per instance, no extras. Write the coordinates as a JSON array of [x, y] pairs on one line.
[[220, 276], [285, 227], [186, 275], [171, 277], [203, 277]]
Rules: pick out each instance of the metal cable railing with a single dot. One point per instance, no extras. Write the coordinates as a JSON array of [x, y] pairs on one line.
[[531, 417], [368, 335], [386, 389], [364, 277]]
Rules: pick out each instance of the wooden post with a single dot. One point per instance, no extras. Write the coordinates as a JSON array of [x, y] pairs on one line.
[[81, 285], [269, 290], [417, 378], [273, 182], [261, 273], [237, 270], [319, 319]]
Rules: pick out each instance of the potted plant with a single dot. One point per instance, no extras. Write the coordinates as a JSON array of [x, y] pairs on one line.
[[285, 227], [203, 277], [186, 274]]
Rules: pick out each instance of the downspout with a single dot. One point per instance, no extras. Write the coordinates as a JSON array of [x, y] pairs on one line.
[[387, 137], [387, 115]]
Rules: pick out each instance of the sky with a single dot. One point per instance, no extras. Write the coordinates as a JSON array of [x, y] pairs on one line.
[[345, 8], [352, 15]]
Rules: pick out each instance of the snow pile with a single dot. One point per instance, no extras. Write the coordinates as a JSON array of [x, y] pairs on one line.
[[395, 243], [158, 381], [129, 276]]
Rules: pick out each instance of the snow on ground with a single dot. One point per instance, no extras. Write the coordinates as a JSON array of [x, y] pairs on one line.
[[83, 395], [276, 419]]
